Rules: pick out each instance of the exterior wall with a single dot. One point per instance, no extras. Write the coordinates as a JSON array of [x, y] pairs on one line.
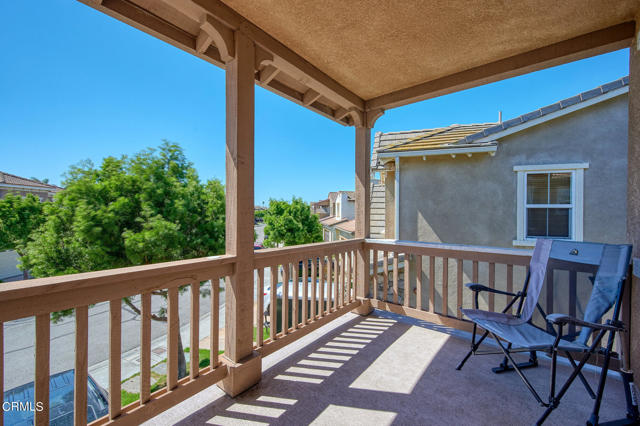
[[633, 198], [473, 200], [43, 195], [389, 202], [345, 209]]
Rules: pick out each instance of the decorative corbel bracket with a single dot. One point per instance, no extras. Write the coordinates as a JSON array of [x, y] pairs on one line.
[[214, 32]]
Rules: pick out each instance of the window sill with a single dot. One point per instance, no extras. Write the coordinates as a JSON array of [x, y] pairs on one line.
[[524, 243]]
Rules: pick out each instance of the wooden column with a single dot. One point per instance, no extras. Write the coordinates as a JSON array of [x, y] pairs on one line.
[[243, 363], [363, 213], [633, 197]]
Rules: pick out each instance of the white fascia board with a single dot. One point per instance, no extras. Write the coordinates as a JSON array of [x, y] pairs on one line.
[[445, 151], [564, 111], [24, 187], [550, 167]]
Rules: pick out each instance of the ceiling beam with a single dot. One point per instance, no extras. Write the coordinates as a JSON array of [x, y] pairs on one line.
[[330, 88], [584, 46]]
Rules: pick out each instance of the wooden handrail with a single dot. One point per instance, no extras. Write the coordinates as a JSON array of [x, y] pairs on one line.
[[266, 257], [44, 295], [474, 253]]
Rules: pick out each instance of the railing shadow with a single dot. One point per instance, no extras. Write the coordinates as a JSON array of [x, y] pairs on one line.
[[389, 369]]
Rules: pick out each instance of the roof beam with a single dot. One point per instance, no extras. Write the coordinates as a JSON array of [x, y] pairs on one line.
[[584, 46], [333, 90]]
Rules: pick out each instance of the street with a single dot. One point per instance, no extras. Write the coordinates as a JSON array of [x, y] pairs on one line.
[[19, 335]]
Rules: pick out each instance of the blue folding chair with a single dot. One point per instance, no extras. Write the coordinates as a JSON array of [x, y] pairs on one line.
[[609, 264]]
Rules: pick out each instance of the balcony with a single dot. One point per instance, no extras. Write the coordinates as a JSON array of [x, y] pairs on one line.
[[327, 364]]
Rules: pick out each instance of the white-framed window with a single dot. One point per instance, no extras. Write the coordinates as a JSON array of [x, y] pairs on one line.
[[550, 202]]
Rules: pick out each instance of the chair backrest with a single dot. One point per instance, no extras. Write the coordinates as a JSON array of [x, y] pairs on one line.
[[607, 286], [537, 272], [608, 263]]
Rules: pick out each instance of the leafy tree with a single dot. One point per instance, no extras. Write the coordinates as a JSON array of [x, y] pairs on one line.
[[19, 217], [290, 223], [130, 211]]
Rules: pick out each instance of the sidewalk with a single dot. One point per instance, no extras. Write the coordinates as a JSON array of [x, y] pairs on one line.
[[131, 359]]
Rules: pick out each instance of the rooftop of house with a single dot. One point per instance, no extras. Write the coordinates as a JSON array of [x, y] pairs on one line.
[[348, 226], [464, 136], [324, 202], [332, 220], [7, 179]]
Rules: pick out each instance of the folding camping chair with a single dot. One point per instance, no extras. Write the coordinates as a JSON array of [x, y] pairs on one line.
[[610, 265]]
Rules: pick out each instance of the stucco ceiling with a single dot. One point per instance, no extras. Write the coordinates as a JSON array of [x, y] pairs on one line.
[[374, 47]]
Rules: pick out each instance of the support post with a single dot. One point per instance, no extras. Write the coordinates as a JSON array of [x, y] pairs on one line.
[[363, 210], [633, 196], [244, 364]]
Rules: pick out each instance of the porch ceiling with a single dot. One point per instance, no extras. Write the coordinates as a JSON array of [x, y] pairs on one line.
[[334, 56]]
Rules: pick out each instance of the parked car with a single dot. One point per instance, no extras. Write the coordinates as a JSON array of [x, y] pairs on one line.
[[267, 302], [19, 406]]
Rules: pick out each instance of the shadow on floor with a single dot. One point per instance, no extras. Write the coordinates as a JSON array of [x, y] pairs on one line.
[[378, 370]]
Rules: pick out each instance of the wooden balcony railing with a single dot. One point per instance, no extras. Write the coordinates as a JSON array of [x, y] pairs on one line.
[[321, 279], [309, 286], [402, 271], [40, 297]]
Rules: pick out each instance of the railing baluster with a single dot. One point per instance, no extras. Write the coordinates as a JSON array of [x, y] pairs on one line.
[[573, 278], [459, 277], [329, 283], [419, 282], [314, 288], [145, 347], [346, 278], [214, 332], [173, 328], [285, 299], [474, 276], [260, 309], [374, 269], [432, 284], [336, 279], [395, 277], [509, 284], [340, 298], [385, 275], [80, 369], [407, 279], [115, 341], [273, 312], [550, 291], [492, 284], [445, 286], [194, 328], [41, 393], [294, 295], [353, 277], [321, 287], [305, 290]]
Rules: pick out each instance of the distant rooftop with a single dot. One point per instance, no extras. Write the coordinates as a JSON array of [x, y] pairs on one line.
[[7, 179], [467, 135]]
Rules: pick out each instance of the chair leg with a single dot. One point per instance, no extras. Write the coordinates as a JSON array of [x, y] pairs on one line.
[[581, 376], [517, 369], [504, 366], [474, 346]]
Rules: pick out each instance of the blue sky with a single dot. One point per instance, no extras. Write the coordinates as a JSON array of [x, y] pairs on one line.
[[76, 84]]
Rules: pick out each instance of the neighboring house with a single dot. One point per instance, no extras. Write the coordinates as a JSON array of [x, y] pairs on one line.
[[22, 186], [340, 224], [559, 171], [320, 208]]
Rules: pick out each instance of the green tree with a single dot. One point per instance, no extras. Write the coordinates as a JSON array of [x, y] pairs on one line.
[[290, 223], [19, 217], [130, 211]]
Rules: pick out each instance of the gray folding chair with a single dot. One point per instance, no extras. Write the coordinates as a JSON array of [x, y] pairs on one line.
[[609, 264]]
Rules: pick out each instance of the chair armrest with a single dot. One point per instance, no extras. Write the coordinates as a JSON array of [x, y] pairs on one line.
[[480, 287], [562, 319]]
